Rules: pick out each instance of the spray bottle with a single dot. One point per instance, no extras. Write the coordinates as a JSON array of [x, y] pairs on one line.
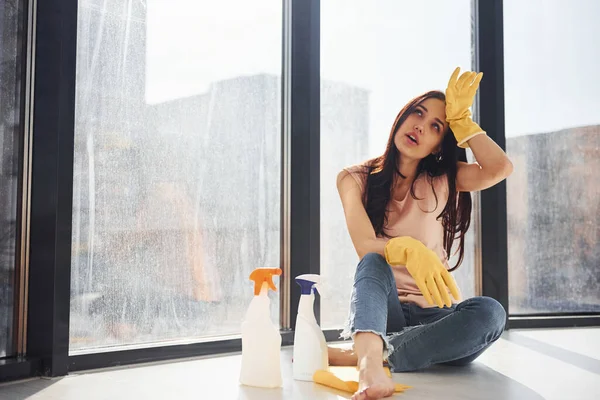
[[310, 347], [261, 340]]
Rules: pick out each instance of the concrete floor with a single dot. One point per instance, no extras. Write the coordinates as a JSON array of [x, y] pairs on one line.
[[523, 365]]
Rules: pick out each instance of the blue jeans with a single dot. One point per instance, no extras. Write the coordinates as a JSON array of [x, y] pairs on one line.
[[416, 337]]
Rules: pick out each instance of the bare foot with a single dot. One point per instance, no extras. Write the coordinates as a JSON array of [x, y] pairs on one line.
[[341, 357], [373, 381]]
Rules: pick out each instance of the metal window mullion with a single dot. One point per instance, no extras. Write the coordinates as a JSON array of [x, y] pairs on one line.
[[300, 151], [490, 59], [52, 185]]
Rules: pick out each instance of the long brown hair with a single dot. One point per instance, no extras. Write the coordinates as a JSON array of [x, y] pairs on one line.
[[383, 170]]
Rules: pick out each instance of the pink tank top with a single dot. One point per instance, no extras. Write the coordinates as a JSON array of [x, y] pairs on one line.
[[416, 218]]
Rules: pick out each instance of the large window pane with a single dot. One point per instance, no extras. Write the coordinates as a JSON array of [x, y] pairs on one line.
[[177, 167], [552, 59], [375, 57], [11, 57]]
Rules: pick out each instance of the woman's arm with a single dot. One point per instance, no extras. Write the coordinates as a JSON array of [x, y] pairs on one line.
[[492, 166], [492, 163], [358, 222]]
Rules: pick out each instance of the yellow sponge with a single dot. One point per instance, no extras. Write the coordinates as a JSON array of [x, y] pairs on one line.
[[346, 379]]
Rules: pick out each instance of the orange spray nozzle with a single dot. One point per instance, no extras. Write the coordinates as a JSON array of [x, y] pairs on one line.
[[262, 275]]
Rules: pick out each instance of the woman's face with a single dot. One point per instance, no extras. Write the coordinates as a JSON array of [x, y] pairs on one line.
[[421, 134]]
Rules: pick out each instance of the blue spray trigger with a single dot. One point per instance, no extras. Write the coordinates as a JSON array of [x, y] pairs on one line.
[[306, 286]]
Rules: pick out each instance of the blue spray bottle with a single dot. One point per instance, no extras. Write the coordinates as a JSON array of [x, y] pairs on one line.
[[310, 347]]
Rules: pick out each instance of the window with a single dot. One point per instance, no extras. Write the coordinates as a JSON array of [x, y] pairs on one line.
[[375, 57], [552, 60], [177, 168], [11, 58]]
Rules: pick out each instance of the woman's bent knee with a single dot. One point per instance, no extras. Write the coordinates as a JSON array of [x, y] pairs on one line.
[[491, 313], [375, 263], [373, 258], [374, 267]]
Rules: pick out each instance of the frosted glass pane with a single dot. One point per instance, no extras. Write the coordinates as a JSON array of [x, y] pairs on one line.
[[11, 61], [372, 63], [552, 59], [177, 168]]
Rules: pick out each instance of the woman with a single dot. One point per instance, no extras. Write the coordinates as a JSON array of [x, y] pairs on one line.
[[404, 211]]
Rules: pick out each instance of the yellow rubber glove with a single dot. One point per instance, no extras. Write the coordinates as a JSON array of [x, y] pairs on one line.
[[459, 99], [346, 379], [432, 278]]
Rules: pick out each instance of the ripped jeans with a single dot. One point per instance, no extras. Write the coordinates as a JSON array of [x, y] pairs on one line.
[[416, 337]]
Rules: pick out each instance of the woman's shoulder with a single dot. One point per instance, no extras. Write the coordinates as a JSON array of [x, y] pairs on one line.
[[361, 168], [439, 182], [432, 187], [359, 172]]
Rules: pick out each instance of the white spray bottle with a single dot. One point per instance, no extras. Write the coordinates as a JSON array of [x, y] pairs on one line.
[[261, 340], [310, 347]]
